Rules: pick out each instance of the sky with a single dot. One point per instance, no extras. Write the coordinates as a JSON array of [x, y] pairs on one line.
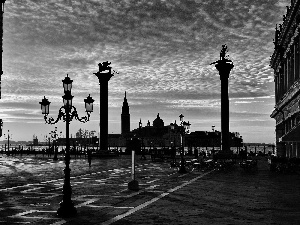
[[161, 51]]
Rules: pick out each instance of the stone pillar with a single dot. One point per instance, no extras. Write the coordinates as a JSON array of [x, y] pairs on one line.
[[104, 74], [292, 64], [294, 149], [281, 74], [276, 87], [2, 12], [287, 71], [224, 67], [285, 76], [291, 75], [297, 59]]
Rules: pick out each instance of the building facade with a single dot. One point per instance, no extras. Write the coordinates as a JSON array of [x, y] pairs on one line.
[[160, 135], [286, 64]]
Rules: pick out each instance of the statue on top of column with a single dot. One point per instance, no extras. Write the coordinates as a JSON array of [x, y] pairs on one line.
[[104, 66], [223, 52], [223, 56]]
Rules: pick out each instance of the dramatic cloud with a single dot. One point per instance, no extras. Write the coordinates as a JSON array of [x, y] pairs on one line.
[[162, 52]]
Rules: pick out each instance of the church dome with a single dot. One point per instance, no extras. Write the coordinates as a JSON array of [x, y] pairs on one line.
[[158, 122]]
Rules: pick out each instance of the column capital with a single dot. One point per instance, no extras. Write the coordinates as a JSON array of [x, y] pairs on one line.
[[224, 67], [103, 77], [104, 74]]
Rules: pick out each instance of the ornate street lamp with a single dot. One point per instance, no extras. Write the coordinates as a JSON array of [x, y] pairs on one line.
[[184, 129], [67, 208]]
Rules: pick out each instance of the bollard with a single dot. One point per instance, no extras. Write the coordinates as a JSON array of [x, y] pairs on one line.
[[133, 165], [134, 184]]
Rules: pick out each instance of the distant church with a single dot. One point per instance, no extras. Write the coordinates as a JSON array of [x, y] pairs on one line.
[[125, 117]]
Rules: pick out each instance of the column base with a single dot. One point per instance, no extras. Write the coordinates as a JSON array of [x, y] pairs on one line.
[[133, 185], [66, 209], [182, 170]]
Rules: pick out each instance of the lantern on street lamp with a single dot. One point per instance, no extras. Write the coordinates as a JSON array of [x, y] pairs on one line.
[[181, 117], [45, 106], [89, 104], [67, 83], [67, 99]]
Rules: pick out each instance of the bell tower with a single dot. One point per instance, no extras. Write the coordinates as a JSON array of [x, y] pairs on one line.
[[125, 117]]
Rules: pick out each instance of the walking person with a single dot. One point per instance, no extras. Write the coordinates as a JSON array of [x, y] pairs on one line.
[[173, 157], [143, 154], [89, 157]]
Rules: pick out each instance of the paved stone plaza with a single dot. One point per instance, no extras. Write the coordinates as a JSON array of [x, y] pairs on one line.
[[31, 190]]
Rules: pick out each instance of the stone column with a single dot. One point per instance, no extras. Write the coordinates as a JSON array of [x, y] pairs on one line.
[[276, 87], [285, 75], [287, 71], [281, 74], [2, 12], [291, 75], [224, 67], [104, 74], [292, 64], [297, 59]]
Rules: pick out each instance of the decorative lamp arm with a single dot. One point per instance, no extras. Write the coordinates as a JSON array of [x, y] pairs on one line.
[[83, 119], [51, 120]]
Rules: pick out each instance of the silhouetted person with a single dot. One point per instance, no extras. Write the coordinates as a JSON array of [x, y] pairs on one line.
[[173, 154], [89, 157], [143, 154], [196, 153]]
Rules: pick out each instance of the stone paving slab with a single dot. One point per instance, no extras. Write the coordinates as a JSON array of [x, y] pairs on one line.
[[37, 202], [234, 197], [101, 196]]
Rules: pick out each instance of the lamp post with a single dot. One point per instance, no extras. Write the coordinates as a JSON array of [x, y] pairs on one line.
[[242, 144], [8, 136], [142, 140], [184, 129], [67, 208], [49, 146], [213, 130], [54, 136], [46, 140]]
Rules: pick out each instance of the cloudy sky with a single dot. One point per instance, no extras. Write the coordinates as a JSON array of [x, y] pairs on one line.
[[161, 49]]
